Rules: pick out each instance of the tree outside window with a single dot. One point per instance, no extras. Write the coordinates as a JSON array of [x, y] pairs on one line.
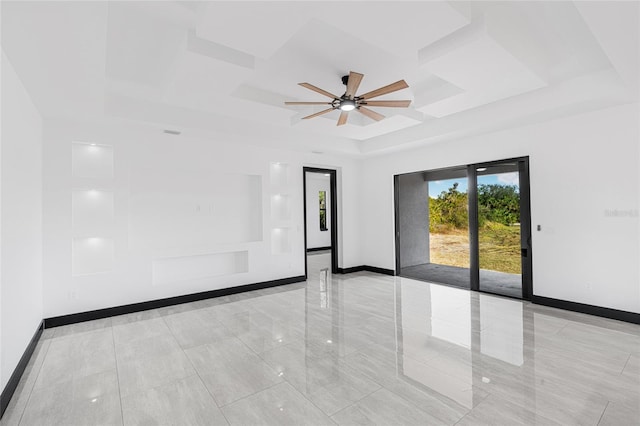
[[323, 210]]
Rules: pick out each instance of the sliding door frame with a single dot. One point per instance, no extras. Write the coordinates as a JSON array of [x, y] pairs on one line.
[[525, 224], [474, 237], [474, 243]]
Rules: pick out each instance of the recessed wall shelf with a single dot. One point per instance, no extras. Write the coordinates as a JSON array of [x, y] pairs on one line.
[[92, 255], [92, 208], [279, 175], [280, 241], [280, 207], [92, 212], [188, 268], [90, 160]]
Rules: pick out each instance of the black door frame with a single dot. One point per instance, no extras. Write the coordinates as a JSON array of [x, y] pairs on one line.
[[525, 222], [396, 219], [333, 197]]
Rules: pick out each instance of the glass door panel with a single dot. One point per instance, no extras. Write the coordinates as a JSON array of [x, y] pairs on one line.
[[499, 229]]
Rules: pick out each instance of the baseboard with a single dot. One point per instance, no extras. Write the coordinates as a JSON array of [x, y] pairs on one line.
[[12, 384], [161, 303], [310, 250], [366, 268], [600, 311], [351, 269], [380, 270]]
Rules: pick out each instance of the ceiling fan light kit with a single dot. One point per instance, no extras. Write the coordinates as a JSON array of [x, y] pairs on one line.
[[349, 101], [347, 104]]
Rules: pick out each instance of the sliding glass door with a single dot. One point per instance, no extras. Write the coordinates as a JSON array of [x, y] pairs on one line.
[[500, 250], [467, 226]]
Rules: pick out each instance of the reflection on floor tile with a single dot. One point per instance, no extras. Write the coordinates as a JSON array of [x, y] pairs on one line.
[[330, 384], [86, 400], [497, 411], [185, 401], [230, 370], [142, 374], [196, 328], [279, 405], [359, 348], [620, 414], [383, 408], [77, 356]]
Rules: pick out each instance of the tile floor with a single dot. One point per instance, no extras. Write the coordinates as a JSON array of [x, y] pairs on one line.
[[352, 349]]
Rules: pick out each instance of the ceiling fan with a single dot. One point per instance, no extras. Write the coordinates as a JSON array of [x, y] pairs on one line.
[[349, 101]]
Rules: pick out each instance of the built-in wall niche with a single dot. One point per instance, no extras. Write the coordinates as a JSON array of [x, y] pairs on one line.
[[280, 241], [91, 160], [183, 210], [92, 255], [280, 207], [279, 175], [92, 212], [198, 267]]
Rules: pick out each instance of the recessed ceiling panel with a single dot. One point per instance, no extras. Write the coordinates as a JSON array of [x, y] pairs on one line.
[[401, 28], [257, 28], [485, 71], [200, 82], [321, 54]]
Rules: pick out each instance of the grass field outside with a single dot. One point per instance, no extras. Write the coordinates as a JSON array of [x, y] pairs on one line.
[[499, 247]]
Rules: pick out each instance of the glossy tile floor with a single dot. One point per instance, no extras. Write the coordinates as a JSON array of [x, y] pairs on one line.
[[352, 349]]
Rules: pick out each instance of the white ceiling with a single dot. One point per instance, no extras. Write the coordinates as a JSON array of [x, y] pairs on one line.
[[205, 67]]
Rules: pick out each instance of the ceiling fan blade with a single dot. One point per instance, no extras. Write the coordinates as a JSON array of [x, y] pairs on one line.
[[318, 113], [343, 118], [353, 83], [306, 103], [390, 104], [371, 114], [393, 87], [319, 90]]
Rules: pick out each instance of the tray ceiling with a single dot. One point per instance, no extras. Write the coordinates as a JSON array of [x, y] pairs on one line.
[[471, 66]]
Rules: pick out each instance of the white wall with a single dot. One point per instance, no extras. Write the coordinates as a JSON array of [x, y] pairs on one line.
[[413, 220], [144, 215], [583, 168], [21, 221], [317, 182]]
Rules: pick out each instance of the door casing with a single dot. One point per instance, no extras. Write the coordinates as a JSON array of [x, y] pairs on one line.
[[334, 214]]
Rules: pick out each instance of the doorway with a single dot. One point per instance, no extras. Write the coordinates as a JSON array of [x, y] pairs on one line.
[[467, 226], [320, 220]]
